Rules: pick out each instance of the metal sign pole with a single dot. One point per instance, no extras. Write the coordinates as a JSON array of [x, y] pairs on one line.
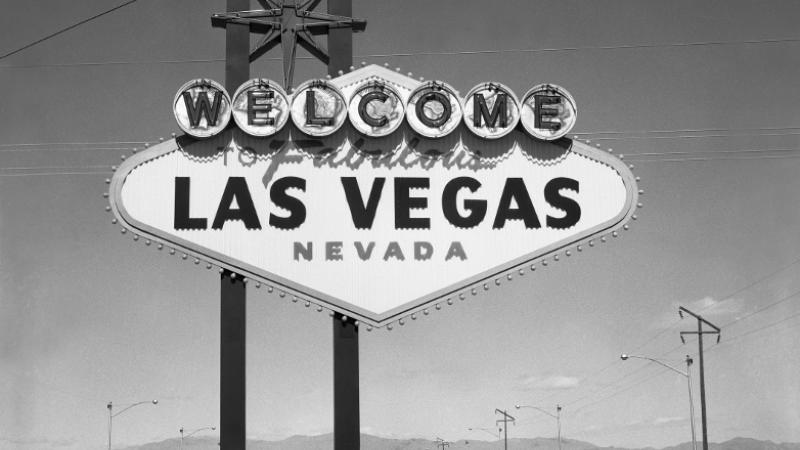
[[233, 294], [346, 414]]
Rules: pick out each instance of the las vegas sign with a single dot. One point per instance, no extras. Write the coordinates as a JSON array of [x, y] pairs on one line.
[[373, 194]]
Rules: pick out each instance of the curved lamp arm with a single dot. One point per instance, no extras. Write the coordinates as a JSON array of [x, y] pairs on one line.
[[657, 361]]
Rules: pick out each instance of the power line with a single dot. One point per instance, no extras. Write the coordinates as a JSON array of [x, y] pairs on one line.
[[627, 388], [42, 144], [617, 381], [764, 157], [756, 330], [31, 174], [610, 386], [63, 30], [713, 152], [691, 136], [57, 167], [725, 298], [762, 309], [76, 170], [751, 314], [424, 53], [68, 149], [687, 130], [724, 344]]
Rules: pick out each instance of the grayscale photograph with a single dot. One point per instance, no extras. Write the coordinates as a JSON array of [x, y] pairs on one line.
[[400, 225]]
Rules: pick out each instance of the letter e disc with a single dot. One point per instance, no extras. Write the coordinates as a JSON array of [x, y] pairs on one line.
[[376, 109], [484, 114], [548, 112], [318, 108], [434, 109], [260, 107], [202, 108]]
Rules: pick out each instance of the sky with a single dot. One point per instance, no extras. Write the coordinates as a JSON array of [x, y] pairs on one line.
[[88, 316]]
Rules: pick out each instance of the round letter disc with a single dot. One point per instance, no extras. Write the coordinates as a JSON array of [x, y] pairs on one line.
[[548, 112], [318, 108], [439, 106], [202, 108], [484, 114], [376, 109], [260, 107]]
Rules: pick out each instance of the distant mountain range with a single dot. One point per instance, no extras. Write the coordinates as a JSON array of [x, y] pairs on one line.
[[368, 442]]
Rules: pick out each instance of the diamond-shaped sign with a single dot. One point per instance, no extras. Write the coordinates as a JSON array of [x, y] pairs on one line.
[[374, 228]]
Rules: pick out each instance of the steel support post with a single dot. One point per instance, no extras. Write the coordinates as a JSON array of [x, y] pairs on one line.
[[232, 362], [346, 414], [233, 295]]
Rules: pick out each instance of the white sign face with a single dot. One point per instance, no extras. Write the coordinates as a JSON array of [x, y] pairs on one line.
[[373, 238]]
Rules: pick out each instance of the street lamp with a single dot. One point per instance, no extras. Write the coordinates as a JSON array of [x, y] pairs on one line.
[[486, 430], [687, 374], [556, 416], [193, 432], [111, 414]]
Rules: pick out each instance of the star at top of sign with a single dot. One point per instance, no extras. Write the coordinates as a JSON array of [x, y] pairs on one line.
[[288, 22]]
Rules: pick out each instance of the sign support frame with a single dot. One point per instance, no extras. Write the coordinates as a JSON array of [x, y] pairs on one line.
[[346, 411], [233, 291], [233, 294]]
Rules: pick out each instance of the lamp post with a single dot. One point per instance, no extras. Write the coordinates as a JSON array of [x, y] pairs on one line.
[[556, 416], [486, 430], [111, 414], [687, 374], [193, 432]]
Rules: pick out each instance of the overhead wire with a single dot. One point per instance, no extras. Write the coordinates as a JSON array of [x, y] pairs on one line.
[[64, 30], [107, 167], [721, 158], [616, 361], [692, 136], [31, 174], [724, 299], [685, 130], [737, 337], [62, 149], [726, 343], [712, 152], [419, 53], [43, 144]]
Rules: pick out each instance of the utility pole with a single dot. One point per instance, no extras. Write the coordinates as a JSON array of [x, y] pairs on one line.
[[700, 332], [441, 443], [505, 419], [288, 23]]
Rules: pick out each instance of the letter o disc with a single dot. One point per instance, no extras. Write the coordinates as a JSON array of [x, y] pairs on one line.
[[198, 90], [329, 109], [491, 92], [271, 103], [380, 104], [441, 107], [559, 117]]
